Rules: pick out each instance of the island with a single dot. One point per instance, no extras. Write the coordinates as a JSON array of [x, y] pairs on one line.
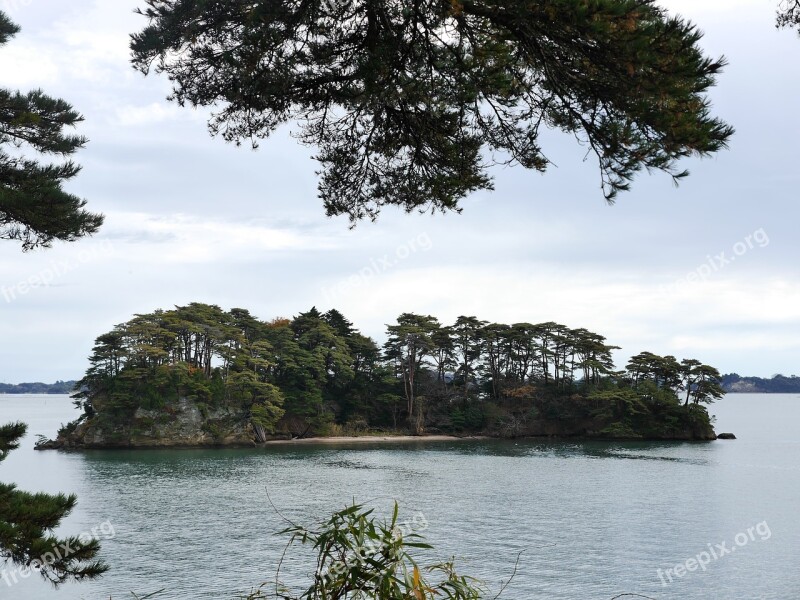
[[59, 387], [734, 383], [198, 375]]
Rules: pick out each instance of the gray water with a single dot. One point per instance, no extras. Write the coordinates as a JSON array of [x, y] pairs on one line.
[[591, 520]]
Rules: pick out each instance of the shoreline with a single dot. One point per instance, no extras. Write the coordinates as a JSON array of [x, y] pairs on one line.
[[341, 439], [374, 439], [309, 441]]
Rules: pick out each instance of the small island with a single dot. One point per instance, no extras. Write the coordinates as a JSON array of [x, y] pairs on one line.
[[198, 375], [59, 387]]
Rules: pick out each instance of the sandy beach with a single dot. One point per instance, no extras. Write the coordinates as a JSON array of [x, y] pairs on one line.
[[374, 439]]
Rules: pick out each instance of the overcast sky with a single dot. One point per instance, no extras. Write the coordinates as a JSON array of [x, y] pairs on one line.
[[190, 218]]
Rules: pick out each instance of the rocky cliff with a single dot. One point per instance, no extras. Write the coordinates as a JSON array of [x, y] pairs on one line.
[[181, 424], [186, 423]]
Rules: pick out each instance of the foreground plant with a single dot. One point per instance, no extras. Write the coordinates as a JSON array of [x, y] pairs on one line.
[[359, 559], [27, 522]]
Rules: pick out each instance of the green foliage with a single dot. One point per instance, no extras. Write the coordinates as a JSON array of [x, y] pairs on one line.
[[457, 419], [34, 208], [203, 408], [361, 559], [467, 416], [410, 342], [620, 431], [68, 429], [27, 522], [266, 415], [405, 101], [699, 416], [214, 429], [316, 374], [789, 14]]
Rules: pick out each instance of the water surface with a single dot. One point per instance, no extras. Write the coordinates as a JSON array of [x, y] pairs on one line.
[[590, 519]]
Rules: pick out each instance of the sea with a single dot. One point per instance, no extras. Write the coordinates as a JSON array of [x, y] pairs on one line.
[[537, 519]]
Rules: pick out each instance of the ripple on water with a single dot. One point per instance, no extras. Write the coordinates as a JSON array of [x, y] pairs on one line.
[[587, 520]]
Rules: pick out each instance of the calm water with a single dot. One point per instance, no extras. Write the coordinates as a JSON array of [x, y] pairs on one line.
[[592, 520]]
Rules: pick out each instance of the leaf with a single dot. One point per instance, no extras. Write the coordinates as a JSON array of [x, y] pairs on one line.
[[417, 591]]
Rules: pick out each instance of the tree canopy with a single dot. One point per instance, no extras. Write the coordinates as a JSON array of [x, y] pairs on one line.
[[34, 208], [409, 103], [789, 14], [27, 522], [317, 374]]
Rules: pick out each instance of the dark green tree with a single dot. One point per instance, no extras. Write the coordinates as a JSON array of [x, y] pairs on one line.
[[329, 349], [789, 14], [495, 346], [27, 522], [544, 333], [34, 209], [707, 385], [594, 355], [521, 357], [410, 343], [443, 352], [299, 371], [561, 343], [306, 375], [358, 395], [341, 325], [408, 103], [467, 345]]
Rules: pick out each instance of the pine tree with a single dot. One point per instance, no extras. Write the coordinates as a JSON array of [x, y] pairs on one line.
[[789, 14], [34, 209], [27, 522], [409, 102]]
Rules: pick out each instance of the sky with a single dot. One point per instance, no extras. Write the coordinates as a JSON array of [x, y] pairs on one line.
[[706, 270]]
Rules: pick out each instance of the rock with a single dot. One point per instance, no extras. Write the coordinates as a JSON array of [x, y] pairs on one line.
[[181, 423], [48, 445], [744, 387], [726, 436]]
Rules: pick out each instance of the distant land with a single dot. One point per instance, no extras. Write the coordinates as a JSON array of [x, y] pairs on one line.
[[779, 384], [732, 383], [59, 387]]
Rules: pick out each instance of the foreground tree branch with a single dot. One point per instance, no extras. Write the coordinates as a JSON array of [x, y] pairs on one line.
[[27, 522], [789, 14], [409, 102], [34, 209]]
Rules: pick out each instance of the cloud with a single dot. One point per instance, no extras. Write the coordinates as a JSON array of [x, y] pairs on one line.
[[24, 66], [154, 113], [634, 314], [181, 238], [192, 218]]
